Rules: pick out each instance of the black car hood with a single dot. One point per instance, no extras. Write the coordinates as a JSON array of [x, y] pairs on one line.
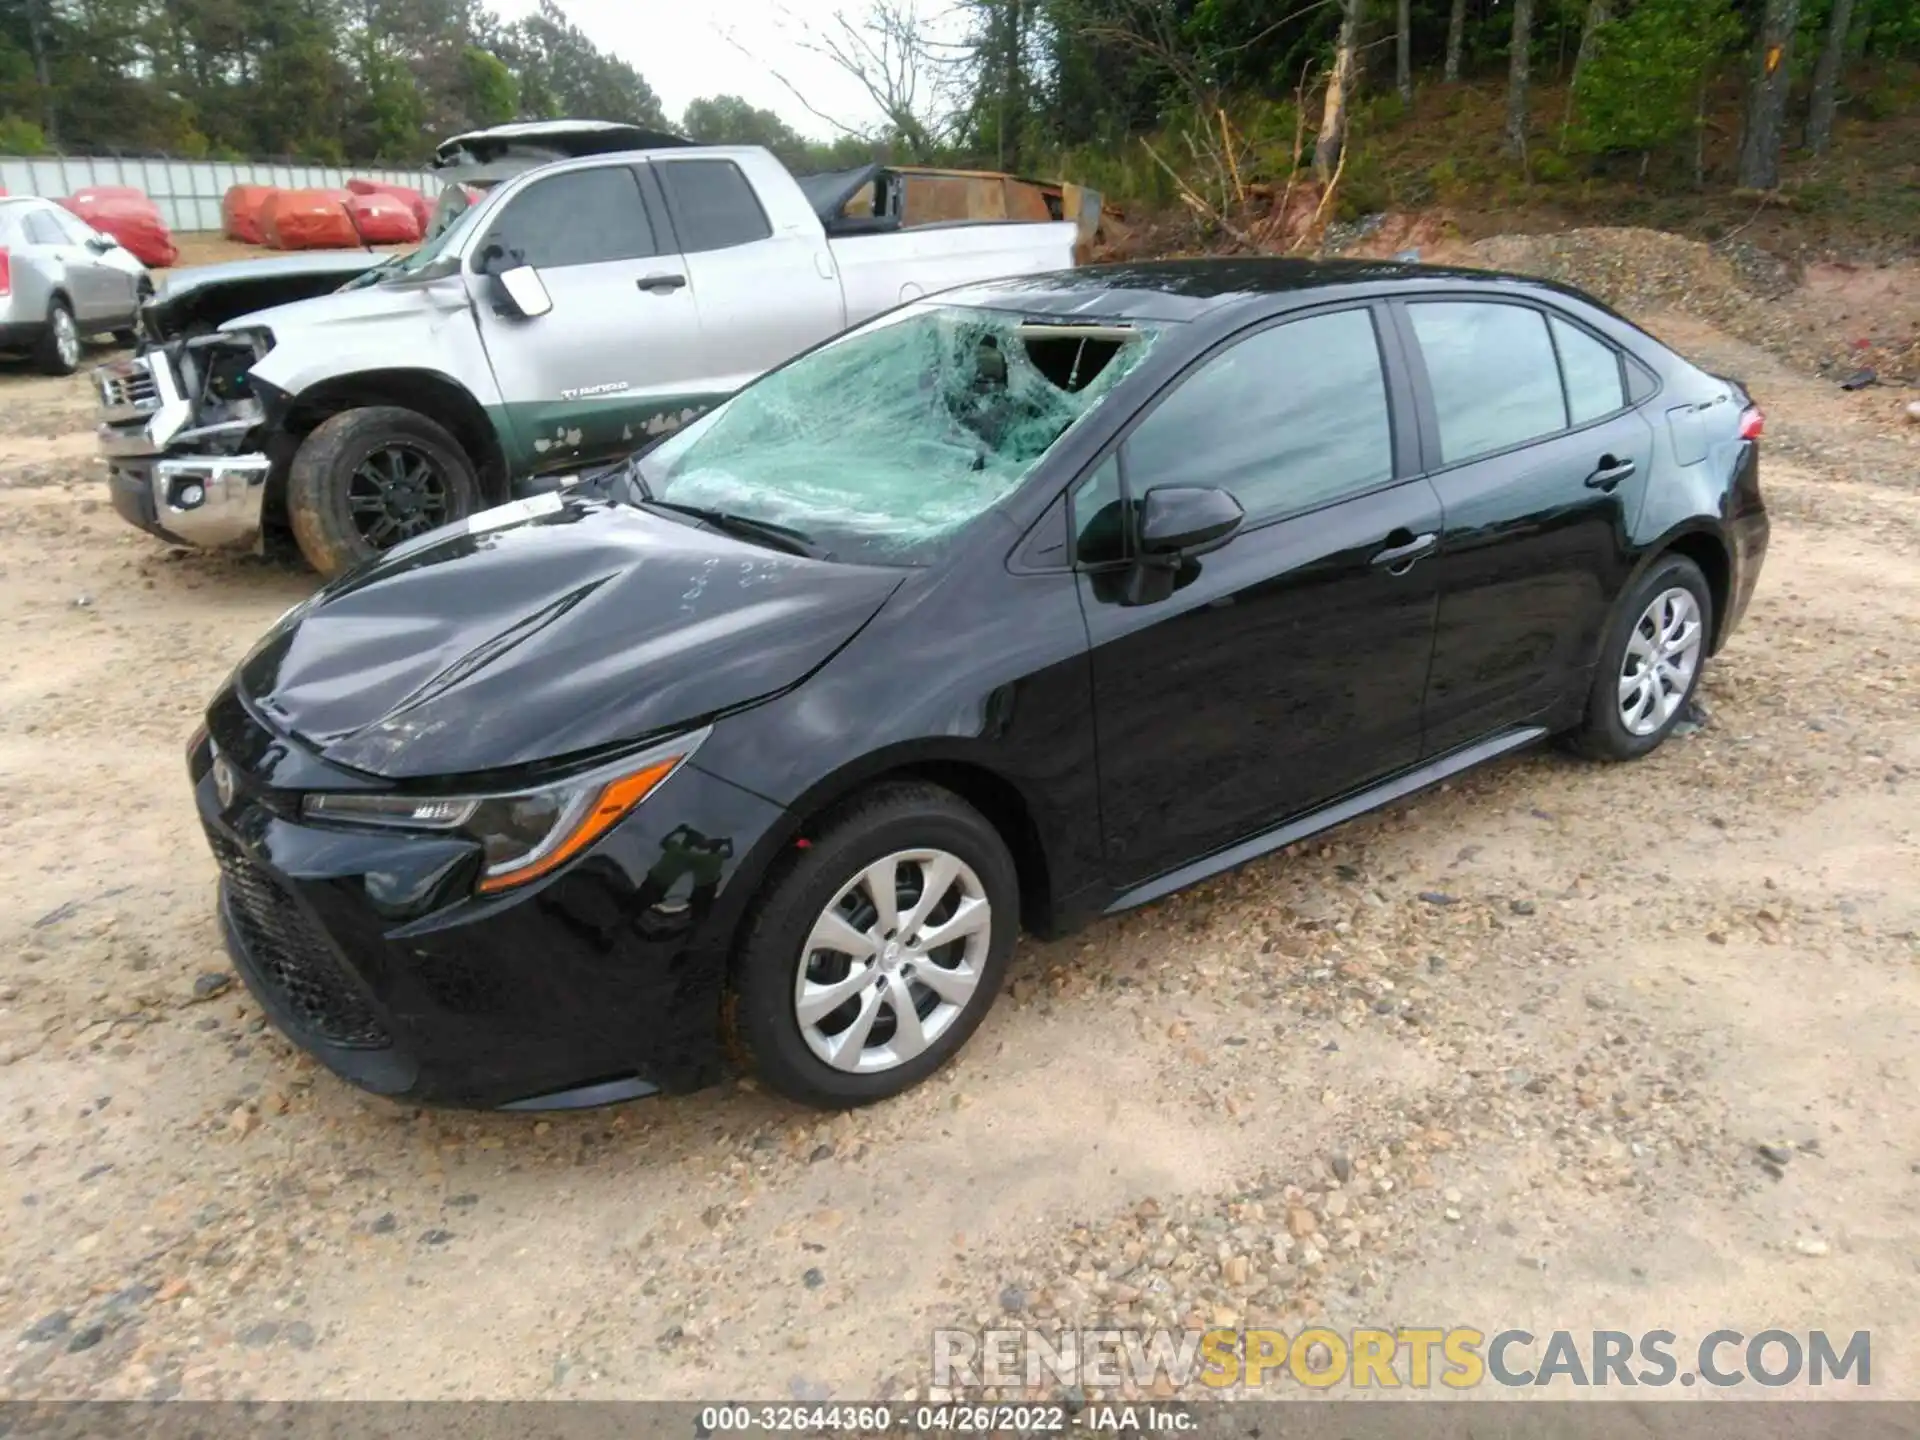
[[525, 639]]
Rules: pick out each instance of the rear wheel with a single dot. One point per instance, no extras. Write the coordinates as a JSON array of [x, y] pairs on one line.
[[878, 949], [367, 480], [1651, 664], [59, 349]]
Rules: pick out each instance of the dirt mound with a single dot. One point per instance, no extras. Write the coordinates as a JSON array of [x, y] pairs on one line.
[[1834, 320]]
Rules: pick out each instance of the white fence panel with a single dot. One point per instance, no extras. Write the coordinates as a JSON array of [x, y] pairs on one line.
[[188, 192]]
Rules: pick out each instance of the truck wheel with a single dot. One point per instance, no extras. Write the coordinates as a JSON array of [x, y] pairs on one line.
[[368, 479], [59, 350]]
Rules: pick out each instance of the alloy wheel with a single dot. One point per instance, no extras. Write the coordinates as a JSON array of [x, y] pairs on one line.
[[66, 338], [893, 961], [1663, 652], [396, 493]]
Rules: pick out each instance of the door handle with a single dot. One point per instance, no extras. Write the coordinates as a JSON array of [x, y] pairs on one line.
[[1398, 559], [1610, 473], [660, 284]]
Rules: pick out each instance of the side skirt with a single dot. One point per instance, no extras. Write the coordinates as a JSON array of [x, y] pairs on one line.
[[1314, 821]]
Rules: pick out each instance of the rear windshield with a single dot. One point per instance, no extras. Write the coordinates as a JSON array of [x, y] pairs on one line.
[[883, 444]]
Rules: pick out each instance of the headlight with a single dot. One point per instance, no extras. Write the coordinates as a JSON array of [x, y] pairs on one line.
[[525, 833]]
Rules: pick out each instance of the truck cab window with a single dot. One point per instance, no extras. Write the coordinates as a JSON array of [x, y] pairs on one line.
[[583, 217], [712, 204]]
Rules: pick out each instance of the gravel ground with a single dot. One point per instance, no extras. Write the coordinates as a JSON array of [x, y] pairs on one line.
[[1503, 1056]]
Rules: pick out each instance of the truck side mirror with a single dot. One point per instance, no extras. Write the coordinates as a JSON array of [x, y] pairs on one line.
[[525, 291]]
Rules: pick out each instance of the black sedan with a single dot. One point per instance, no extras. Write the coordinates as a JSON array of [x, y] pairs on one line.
[[1014, 607]]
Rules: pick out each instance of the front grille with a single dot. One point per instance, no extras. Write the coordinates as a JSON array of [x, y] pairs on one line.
[[128, 389], [292, 958]]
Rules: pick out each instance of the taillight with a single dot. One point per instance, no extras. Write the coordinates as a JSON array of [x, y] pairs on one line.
[[1752, 422], [6, 272]]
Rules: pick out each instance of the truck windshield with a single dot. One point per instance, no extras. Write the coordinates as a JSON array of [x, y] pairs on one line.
[[403, 267], [879, 446]]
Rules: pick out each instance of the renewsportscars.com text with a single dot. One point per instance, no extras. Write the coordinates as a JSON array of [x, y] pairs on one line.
[[1457, 1358]]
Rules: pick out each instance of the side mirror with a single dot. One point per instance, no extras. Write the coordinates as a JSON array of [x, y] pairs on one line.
[[1178, 521], [525, 291], [100, 244]]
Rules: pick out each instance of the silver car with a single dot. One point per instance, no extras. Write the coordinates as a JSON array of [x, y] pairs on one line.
[[61, 280]]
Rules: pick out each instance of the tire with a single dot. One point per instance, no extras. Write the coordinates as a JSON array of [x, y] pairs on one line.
[[1625, 721], [58, 352], [891, 821], [343, 465]]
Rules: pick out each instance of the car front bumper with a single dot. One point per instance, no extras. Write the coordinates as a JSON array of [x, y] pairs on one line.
[[371, 952], [210, 501]]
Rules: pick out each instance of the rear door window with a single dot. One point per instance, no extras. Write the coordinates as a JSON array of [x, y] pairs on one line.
[[712, 204], [1591, 370], [43, 229], [583, 217], [1492, 370]]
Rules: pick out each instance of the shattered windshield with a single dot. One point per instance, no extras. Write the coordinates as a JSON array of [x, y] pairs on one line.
[[402, 267], [879, 446]]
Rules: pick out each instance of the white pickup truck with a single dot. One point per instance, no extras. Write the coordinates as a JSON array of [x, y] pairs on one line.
[[569, 315]]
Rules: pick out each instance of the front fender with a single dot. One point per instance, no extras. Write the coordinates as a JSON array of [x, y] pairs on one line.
[[426, 326]]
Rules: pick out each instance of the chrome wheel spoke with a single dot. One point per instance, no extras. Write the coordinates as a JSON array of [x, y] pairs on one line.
[[971, 918], [909, 1035], [817, 1002], [955, 986], [832, 931], [882, 882], [846, 1048], [936, 879]]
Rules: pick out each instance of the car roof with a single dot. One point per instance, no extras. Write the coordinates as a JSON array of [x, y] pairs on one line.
[[1181, 290]]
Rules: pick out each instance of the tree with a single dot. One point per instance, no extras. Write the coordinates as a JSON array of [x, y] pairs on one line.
[[563, 75], [1763, 135], [1342, 81], [1640, 85], [1826, 78], [1403, 51], [887, 50], [487, 86], [1456, 35], [729, 120], [1519, 56]]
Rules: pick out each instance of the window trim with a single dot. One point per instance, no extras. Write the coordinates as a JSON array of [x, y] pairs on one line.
[[1400, 407], [1428, 413], [673, 206], [478, 245]]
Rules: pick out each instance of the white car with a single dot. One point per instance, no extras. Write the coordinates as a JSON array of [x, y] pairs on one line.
[[60, 281]]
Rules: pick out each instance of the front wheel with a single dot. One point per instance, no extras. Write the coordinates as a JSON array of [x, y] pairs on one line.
[[878, 949], [368, 479], [1650, 666]]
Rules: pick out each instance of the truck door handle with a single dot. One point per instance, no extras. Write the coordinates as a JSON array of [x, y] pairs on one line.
[[660, 284], [1399, 558], [1610, 473]]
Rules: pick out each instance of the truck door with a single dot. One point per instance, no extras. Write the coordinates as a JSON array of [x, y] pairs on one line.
[[608, 365], [764, 294]]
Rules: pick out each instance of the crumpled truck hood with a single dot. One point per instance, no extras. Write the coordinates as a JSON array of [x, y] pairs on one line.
[[545, 630]]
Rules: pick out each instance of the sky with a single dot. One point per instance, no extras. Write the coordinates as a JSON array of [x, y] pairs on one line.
[[689, 48]]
